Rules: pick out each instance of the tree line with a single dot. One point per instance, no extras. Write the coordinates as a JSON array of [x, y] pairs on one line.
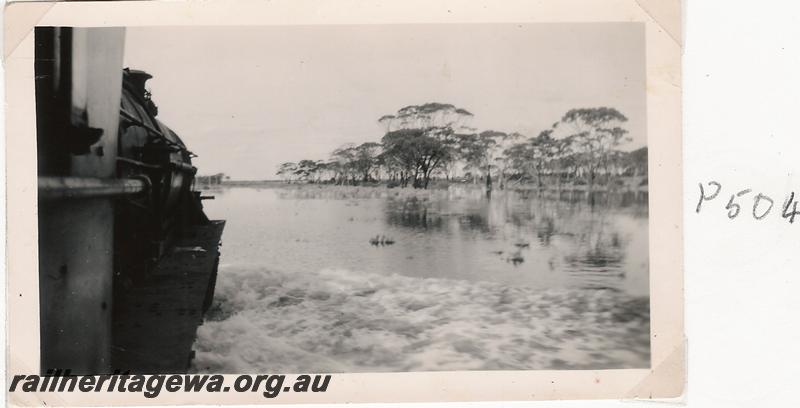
[[434, 141]]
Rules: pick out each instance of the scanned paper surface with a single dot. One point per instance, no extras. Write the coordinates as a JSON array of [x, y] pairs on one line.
[[455, 206]]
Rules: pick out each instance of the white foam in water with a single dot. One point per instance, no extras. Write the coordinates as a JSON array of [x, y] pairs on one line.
[[346, 321]]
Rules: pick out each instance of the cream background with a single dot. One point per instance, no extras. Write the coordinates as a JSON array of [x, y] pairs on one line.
[[667, 377]]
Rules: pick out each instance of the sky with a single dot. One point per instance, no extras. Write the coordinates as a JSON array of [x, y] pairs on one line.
[[246, 99]]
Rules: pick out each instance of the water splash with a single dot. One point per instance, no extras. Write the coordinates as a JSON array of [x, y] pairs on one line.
[[347, 321]]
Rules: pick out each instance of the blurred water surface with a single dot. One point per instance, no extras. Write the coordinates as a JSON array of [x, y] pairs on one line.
[[540, 280]]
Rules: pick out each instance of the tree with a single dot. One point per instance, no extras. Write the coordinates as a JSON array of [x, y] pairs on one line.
[[415, 154], [426, 116], [286, 171], [342, 163], [536, 157], [306, 170], [421, 140], [595, 133], [474, 149], [499, 159], [559, 158], [365, 159], [636, 162], [485, 150]]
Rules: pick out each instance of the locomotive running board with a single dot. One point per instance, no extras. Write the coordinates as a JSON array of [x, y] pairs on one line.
[[155, 323]]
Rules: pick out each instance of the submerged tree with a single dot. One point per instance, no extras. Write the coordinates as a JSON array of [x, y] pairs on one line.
[[595, 134], [477, 150], [485, 151], [421, 140], [415, 154], [500, 161], [530, 158]]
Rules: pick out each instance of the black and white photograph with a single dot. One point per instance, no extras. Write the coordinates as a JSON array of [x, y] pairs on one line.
[[343, 198], [416, 202]]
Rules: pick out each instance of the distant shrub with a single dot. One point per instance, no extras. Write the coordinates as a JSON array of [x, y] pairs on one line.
[[643, 182]]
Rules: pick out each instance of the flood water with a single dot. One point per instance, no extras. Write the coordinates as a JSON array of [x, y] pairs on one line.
[[348, 279]]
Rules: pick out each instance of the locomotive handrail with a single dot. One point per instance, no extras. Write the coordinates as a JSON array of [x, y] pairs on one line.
[[184, 167], [139, 164], [55, 188], [139, 122], [153, 130]]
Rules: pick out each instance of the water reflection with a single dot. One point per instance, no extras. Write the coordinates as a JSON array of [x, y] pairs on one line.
[[542, 239], [413, 214], [582, 222]]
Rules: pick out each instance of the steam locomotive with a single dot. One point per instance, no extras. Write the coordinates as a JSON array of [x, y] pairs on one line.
[[127, 256], [150, 151]]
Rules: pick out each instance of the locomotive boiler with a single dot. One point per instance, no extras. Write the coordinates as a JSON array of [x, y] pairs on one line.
[[127, 256], [147, 224]]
